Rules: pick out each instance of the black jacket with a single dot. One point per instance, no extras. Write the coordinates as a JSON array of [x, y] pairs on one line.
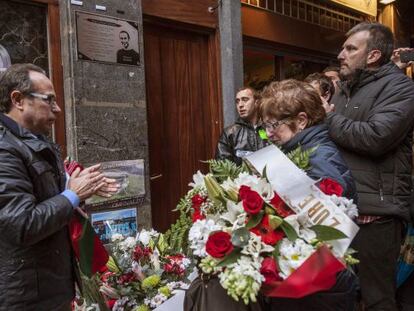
[[238, 141], [36, 262], [373, 124], [326, 161]]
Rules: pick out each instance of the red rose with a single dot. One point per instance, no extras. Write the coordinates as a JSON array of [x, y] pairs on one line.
[[270, 271], [330, 187], [266, 233], [219, 244], [281, 207], [252, 201]]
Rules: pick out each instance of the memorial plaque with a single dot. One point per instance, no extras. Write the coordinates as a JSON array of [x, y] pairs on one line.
[[106, 39]]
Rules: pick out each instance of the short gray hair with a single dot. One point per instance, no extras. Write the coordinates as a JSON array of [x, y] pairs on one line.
[[381, 38]]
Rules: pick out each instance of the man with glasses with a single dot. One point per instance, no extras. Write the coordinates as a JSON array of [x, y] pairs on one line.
[[245, 136], [36, 203]]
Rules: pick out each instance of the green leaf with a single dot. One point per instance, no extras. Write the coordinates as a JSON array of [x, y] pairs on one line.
[[289, 231], [230, 258], [326, 233], [269, 210], [275, 221], [254, 220], [240, 237], [264, 173], [301, 157], [276, 251]]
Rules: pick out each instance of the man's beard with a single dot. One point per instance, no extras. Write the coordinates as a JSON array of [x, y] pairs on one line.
[[354, 76]]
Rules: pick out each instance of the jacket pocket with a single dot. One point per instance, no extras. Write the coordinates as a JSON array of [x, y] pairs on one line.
[[44, 180], [18, 281]]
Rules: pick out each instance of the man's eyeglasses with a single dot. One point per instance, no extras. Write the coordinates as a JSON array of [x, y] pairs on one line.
[[271, 126], [49, 99]]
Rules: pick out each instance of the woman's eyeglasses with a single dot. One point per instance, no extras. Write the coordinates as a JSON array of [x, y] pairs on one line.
[[271, 126]]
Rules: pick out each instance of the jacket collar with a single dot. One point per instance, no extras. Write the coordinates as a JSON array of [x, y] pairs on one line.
[[367, 76], [35, 142], [306, 136], [245, 123]]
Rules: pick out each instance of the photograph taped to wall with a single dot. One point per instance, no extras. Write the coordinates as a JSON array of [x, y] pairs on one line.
[[122, 221], [107, 39], [130, 176]]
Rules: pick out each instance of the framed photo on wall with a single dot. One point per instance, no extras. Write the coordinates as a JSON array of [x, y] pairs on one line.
[[121, 221], [107, 39], [130, 176]]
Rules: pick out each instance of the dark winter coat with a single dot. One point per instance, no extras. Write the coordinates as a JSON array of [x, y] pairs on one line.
[[238, 141], [326, 161], [372, 124], [36, 268]]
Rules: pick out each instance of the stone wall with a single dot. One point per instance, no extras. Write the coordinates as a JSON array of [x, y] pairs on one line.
[[106, 116]]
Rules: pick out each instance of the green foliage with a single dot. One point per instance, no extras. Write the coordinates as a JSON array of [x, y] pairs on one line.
[[301, 157], [326, 233], [254, 220], [221, 169], [231, 258], [176, 236], [240, 237], [289, 231], [91, 293]]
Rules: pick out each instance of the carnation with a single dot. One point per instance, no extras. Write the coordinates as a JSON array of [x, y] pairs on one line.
[[145, 236], [199, 234], [127, 244]]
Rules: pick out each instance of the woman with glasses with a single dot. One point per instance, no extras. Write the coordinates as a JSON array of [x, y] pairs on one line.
[[293, 116]]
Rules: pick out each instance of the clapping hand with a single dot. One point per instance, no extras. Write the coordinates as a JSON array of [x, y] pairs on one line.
[[91, 181]]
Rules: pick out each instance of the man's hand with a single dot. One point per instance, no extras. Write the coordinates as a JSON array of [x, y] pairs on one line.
[[88, 182], [327, 106], [395, 57], [109, 188]]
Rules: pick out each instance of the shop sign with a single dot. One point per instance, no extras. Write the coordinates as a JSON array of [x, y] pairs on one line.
[[365, 6]]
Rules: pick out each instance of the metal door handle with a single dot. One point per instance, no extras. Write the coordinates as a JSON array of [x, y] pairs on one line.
[[155, 177]]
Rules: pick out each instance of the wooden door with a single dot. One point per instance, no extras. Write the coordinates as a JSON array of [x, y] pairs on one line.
[[183, 113]]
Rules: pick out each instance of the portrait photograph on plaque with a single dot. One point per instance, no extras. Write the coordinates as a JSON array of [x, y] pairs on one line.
[[129, 174], [121, 221], [107, 39]]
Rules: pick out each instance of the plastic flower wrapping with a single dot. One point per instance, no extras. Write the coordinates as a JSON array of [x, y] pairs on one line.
[[142, 273], [241, 231]]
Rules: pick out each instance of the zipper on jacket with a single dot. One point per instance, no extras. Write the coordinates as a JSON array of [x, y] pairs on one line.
[[381, 192], [348, 99]]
